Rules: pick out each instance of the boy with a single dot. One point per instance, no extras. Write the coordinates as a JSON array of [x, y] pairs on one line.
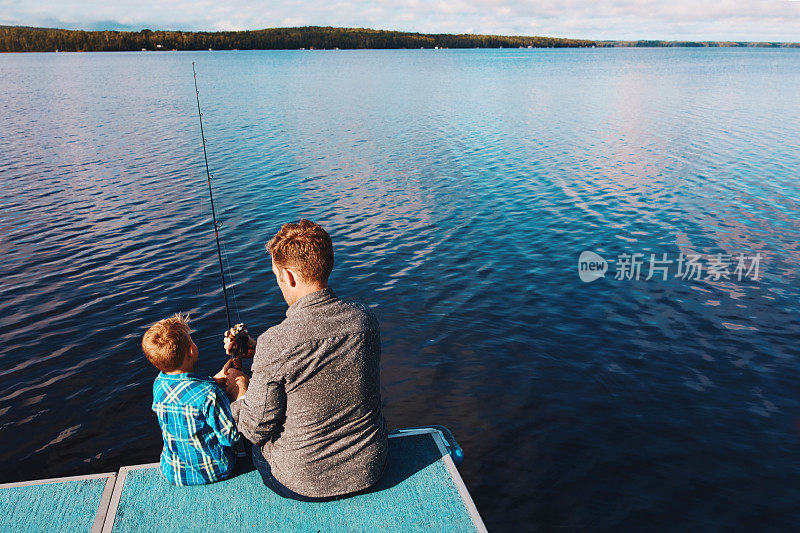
[[193, 412]]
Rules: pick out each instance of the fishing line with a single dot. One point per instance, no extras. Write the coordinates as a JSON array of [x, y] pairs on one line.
[[203, 215], [239, 332], [230, 278]]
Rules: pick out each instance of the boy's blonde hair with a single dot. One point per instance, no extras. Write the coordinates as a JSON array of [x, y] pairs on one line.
[[167, 342]]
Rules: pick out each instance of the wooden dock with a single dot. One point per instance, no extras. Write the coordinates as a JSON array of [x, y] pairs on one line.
[[421, 490]]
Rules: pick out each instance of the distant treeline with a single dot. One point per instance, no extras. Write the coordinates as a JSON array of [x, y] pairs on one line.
[[23, 39]]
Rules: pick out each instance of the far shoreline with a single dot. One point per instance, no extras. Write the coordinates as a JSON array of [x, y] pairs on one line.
[[28, 39], [508, 49]]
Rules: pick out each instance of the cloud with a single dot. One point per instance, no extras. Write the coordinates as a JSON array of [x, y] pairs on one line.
[[771, 20]]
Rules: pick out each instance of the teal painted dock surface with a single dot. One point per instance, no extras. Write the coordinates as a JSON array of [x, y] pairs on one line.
[[421, 490], [62, 504]]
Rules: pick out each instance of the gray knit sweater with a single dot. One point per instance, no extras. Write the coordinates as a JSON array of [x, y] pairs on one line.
[[313, 404]]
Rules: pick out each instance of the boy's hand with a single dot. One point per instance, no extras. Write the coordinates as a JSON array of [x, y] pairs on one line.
[[228, 343], [220, 377], [237, 383]]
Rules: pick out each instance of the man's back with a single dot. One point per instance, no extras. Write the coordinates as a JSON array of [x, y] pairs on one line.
[[314, 401]]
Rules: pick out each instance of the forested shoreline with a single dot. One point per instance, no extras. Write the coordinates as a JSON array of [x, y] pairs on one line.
[[25, 39], [22, 39]]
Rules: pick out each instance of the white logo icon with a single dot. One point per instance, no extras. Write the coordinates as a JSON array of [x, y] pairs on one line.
[[591, 266]]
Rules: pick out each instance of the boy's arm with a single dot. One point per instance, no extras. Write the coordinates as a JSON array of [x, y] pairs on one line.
[[219, 378], [221, 419]]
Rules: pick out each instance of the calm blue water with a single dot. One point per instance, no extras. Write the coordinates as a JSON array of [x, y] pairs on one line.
[[459, 186]]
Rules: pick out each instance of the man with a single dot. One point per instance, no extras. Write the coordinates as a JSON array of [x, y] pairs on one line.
[[312, 407]]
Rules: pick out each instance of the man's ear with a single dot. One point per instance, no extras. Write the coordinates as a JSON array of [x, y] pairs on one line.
[[290, 277]]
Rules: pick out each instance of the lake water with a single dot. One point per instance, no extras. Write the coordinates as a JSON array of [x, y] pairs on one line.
[[460, 188]]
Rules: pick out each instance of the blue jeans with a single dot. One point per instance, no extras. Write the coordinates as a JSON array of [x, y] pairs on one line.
[[264, 469]]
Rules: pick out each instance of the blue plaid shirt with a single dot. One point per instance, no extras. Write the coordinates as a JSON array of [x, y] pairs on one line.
[[197, 426]]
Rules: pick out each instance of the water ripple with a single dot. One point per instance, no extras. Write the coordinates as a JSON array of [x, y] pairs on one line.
[[459, 188]]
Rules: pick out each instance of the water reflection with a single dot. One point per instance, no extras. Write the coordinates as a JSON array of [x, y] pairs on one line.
[[459, 188]]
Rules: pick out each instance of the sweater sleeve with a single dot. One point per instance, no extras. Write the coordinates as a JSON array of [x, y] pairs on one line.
[[260, 413]]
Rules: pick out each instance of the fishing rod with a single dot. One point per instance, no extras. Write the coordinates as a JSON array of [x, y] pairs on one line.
[[239, 334]]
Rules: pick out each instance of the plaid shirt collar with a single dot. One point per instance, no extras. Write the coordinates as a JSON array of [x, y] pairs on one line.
[[186, 375]]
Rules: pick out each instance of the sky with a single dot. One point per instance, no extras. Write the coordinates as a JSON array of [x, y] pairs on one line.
[[737, 20]]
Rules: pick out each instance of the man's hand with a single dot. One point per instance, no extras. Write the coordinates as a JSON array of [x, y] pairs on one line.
[[220, 377], [237, 383], [229, 344]]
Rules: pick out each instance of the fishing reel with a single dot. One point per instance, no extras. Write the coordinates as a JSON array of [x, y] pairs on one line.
[[240, 344]]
